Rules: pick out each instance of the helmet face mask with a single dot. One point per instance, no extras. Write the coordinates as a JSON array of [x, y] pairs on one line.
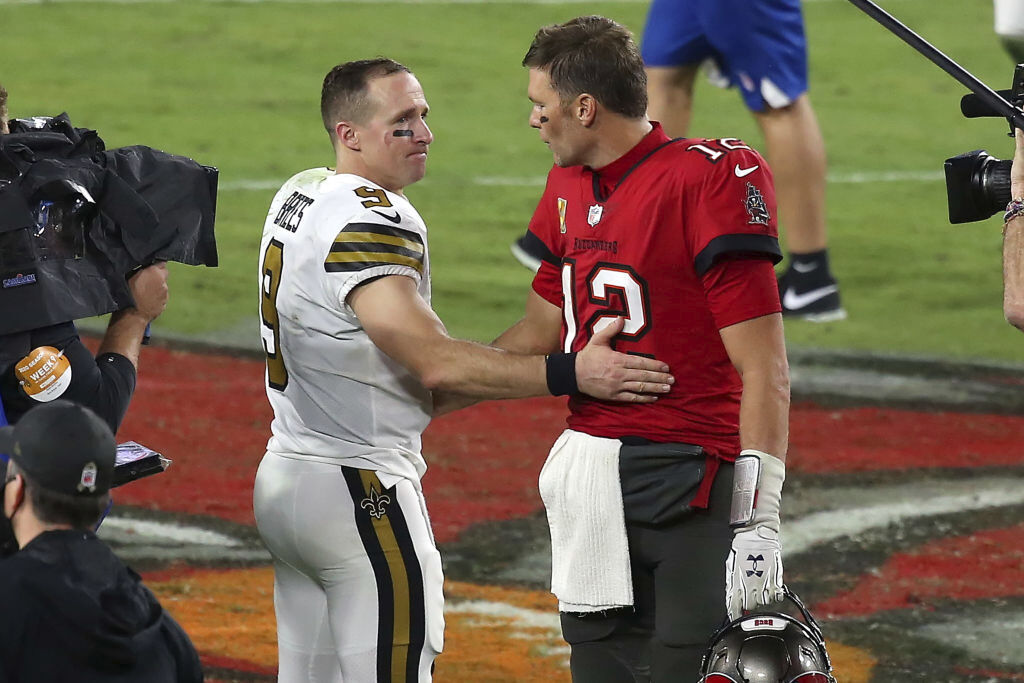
[[768, 647]]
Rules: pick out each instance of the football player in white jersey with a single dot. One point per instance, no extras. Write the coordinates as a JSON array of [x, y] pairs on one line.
[[354, 352]]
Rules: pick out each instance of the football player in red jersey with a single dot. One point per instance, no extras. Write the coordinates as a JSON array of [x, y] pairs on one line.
[[646, 503]]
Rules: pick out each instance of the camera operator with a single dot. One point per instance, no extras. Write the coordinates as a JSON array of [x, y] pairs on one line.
[[1013, 242], [104, 383], [71, 610], [46, 363]]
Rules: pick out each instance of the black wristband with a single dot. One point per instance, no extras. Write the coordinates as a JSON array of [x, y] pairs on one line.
[[561, 373]]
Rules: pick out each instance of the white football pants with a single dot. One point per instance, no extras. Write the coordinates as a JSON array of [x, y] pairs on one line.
[[357, 577]]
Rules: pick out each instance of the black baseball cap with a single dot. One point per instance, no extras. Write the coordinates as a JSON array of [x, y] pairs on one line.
[[63, 447]]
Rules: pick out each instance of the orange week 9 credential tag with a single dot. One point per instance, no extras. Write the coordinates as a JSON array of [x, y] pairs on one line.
[[44, 374]]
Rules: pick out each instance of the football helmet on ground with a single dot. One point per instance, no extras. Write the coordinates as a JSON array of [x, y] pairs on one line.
[[768, 647]]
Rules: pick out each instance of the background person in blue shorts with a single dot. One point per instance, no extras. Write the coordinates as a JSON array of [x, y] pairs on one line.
[[759, 47]]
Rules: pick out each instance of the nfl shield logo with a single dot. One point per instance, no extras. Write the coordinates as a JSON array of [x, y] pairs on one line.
[[594, 215], [88, 480]]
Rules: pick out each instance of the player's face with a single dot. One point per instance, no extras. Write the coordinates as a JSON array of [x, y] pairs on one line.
[[394, 141], [558, 129]]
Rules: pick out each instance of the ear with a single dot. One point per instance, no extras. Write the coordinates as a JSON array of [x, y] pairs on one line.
[[347, 135], [14, 495], [585, 109]]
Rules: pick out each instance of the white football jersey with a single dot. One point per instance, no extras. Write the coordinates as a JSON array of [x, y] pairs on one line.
[[336, 396]]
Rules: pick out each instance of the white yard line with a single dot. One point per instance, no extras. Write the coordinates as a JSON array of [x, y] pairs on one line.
[[855, 177], [523, 617], [248, 185], [147, 531], [821, 527]]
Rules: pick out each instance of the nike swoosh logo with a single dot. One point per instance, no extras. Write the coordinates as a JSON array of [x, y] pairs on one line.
[[394, 219], [741, 172], [794, 301], [804, 267]]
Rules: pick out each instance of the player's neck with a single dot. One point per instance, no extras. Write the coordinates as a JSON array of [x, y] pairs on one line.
[[614, 136], [27, 527], [353, 165]]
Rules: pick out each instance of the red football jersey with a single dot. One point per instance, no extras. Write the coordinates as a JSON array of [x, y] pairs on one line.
[[654, 237]]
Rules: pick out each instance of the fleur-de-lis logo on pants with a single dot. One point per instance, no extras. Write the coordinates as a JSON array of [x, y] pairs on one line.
[[753, 566], [375, 503]]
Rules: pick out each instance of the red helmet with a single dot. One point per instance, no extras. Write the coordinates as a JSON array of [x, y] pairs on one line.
[[768, 647]]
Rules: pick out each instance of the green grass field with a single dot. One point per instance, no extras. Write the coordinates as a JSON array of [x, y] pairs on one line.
[[236, 85]]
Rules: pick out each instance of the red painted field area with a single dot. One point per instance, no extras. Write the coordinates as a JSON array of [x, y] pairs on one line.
[[209, 414]]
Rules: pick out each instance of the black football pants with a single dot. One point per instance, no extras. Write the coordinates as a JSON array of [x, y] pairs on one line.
[[679, 601]]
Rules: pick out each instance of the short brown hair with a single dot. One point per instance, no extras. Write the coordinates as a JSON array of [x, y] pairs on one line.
[[593, 55], [344, 95], [51, 507], [3, 109]]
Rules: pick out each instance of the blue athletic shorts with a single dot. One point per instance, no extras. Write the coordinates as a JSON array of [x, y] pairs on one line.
[[756, 45]]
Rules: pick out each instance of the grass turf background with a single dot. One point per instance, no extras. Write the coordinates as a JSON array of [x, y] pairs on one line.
[[236, 85]]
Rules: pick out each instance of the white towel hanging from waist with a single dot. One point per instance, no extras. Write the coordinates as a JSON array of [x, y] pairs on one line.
[[580, 487]]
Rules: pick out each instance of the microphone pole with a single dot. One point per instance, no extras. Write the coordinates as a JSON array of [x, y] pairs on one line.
[[984, 93]]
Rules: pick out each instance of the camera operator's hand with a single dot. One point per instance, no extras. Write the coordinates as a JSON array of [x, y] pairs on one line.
[[149, 289], [1017, 170], [127, 327], [1013, 243]]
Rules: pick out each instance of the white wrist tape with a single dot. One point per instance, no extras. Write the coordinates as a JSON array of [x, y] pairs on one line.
[[757, 490]]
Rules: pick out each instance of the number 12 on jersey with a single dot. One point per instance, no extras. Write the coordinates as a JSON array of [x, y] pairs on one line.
[[270, 331], [615, 290]]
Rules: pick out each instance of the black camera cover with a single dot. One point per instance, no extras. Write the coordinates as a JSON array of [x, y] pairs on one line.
[[76, 220]]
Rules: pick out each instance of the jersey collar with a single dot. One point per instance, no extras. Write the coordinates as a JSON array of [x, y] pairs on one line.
[[607, 178]]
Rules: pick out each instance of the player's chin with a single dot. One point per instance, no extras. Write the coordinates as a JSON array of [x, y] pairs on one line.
[[415, 175], [416, 166], [561, 160]]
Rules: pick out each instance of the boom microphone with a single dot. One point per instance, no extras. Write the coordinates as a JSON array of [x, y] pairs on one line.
[[986, 96], [972, 106]]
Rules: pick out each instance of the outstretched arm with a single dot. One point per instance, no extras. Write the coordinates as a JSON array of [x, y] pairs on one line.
[[537, 332], [404, 327]]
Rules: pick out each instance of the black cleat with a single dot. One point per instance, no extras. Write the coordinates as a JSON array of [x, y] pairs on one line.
[[809, 292], [521, 249]]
